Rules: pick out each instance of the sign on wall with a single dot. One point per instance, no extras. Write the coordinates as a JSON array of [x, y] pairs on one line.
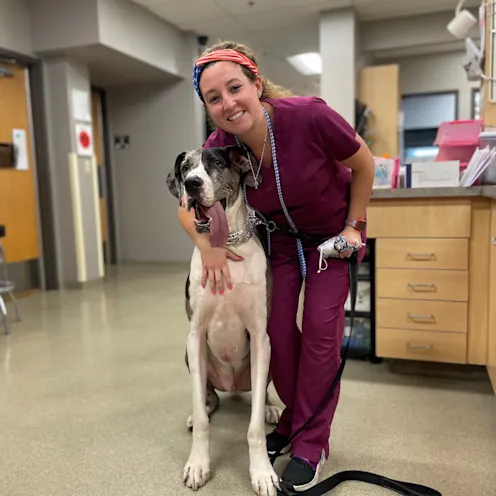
[[84, 139]]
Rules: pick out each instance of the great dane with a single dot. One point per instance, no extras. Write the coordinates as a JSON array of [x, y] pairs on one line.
[[228, 348]]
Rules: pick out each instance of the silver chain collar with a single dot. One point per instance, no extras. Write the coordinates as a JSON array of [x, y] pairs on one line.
[[236, 238]]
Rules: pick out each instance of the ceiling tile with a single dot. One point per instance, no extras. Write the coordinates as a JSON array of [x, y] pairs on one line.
[[224, 28], [180, 11], [244, 7], [384, 9], [277, 19]]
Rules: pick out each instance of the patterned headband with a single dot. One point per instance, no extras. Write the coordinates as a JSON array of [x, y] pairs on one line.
[[228, 55]]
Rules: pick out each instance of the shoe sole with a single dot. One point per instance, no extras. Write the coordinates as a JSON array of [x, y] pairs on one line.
[[315, 480]]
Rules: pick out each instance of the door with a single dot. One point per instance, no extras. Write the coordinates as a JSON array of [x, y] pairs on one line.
[[97, 117], [18, 201]]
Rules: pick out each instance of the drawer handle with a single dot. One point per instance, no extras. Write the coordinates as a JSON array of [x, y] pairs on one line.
[[422, 287], [420, 346], [421, 256], [419, 316]]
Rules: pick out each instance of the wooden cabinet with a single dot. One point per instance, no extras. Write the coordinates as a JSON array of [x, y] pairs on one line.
[[491, 338], [422, 278]]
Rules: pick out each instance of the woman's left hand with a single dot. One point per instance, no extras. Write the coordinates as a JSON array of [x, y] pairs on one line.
[[353, 237]]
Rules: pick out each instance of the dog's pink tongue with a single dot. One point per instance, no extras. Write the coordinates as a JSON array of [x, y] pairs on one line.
[[219, 230]]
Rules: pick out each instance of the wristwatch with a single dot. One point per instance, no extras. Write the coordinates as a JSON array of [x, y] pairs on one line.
[[358, 224]]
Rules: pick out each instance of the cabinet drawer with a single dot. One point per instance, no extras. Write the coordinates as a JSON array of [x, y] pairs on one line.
[[446, 285], [447, 218], [421, 253], [422, 315], [429, 346]]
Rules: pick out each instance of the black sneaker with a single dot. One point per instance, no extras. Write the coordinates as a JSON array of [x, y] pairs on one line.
[[300, 475], [277, 443]]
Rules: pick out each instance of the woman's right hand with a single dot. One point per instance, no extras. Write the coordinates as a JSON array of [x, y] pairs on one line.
[[214, 260], [215, 269]]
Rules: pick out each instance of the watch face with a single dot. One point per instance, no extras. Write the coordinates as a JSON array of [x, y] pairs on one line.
[[360, 225]]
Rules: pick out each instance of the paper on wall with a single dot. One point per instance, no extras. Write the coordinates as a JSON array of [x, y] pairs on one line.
[[19, 140], [81, 106]]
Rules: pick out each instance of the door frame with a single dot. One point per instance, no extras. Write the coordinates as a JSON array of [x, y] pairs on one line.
[[111, 248]]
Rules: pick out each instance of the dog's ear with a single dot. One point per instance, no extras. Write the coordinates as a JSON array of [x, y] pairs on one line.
[[239, 157], [174, 177]]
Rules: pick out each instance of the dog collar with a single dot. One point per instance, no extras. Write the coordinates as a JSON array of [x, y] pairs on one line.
[[236, 238]]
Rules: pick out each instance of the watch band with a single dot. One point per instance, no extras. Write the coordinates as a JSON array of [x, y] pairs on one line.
[[358, 224]]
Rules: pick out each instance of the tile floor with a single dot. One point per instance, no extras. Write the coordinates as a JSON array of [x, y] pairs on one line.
[[94, 396]]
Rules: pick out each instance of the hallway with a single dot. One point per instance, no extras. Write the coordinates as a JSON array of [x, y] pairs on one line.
[[95, 395]]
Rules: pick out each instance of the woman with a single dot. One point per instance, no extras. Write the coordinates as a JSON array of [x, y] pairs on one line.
[[311, 172]]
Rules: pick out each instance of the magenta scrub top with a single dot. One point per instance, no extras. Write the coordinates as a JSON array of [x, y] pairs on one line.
[[311, 139]]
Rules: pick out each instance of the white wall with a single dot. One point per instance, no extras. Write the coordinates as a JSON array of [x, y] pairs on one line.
[[407, 35], [337, 82], [136, 32], [161, 121], [15, 27], [437, 72]]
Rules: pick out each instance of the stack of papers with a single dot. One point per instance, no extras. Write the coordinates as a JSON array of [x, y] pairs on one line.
[[481, 160]]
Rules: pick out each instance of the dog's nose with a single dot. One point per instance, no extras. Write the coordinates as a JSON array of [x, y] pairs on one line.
[[193, 183]]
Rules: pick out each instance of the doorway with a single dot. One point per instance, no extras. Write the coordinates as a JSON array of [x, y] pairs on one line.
[[101, 140]]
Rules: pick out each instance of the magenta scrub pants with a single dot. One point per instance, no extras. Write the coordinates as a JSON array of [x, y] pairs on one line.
[[304, 364]]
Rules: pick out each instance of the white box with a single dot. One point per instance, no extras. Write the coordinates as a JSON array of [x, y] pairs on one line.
[[433, 174]]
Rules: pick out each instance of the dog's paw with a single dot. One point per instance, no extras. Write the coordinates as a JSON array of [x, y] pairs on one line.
[[196, 472], [272, 414], [264, 480], [189, 423]]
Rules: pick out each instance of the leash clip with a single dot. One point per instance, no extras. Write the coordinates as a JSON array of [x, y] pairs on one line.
[[286, 490], [271, 226]]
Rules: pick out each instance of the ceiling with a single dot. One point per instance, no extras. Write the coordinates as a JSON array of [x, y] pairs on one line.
[[276, 29], [239, 18], [108, 68]]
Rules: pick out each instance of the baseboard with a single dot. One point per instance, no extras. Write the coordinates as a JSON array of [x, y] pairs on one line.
[[492, 375]]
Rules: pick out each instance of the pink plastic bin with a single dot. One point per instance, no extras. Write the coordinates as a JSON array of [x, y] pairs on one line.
[[458, 140], [461, 153], [459, 133]]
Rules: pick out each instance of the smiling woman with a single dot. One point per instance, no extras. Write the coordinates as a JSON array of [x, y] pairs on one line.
[[311, 173]]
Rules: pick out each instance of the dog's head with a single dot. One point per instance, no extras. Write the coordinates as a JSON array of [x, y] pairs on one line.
[[209, 175]]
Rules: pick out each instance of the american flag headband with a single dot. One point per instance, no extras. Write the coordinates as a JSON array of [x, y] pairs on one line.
[[228, 55]]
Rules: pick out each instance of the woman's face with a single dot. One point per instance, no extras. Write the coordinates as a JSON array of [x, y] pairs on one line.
[[230, 97]]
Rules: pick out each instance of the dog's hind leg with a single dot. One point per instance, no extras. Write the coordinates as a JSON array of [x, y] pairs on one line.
[[272, 412], [212, 405], [212, 400]]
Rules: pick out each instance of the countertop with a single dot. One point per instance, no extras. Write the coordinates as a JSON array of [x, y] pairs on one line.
[[484, 191]]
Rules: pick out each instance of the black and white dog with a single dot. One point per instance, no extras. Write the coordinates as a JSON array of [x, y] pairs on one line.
[[228, 347]]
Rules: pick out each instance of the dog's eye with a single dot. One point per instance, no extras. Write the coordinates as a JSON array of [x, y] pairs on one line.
[[218, 163]]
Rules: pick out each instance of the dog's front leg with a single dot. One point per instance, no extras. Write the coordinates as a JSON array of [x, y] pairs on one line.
[[197, 469], [264, 480]]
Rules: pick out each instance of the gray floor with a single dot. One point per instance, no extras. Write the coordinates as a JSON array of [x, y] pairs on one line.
[[94, 397]]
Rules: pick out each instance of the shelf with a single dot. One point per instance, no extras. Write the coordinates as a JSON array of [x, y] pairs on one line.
[[359, 314]]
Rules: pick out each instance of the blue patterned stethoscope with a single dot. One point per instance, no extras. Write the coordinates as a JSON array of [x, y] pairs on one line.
[[299, 245]]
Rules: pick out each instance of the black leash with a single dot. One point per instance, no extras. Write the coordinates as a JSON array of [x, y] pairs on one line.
[[327, 485]]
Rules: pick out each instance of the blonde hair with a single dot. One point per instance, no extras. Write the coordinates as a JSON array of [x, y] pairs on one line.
[[270, 90]]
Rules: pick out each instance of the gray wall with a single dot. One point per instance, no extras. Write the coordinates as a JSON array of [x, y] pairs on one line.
[[136, 32], [62, 77], [161, 123], [15, 27], [436, 73], [62, 24]]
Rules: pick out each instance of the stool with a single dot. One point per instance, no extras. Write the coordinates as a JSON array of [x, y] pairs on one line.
[[6, 287]]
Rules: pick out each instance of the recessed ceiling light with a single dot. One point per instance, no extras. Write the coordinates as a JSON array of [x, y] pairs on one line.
[[307, 64]]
